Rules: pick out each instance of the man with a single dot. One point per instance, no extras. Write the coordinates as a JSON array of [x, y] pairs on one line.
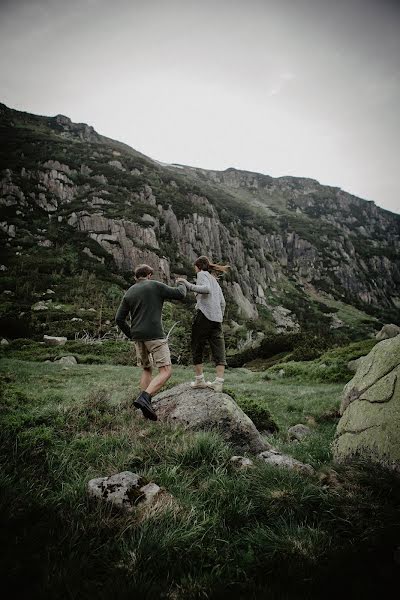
[[144, 302]]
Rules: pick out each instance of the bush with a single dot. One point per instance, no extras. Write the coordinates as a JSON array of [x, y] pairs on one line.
[[258, 413]]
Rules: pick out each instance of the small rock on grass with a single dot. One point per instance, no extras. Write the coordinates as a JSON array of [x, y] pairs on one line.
[[124, 490]]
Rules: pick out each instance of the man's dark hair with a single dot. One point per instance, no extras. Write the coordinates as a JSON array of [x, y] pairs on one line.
[[142, 271]]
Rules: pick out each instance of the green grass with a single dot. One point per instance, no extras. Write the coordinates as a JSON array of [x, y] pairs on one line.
[[258, 533], [330, 367]]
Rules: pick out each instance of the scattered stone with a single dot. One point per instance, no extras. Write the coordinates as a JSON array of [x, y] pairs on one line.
[[51, 340], [281, 373], [274, 457], [116, 164], [299, 432], [41, 305], [241, 462], [76, 319], [45, 243], [3, 268], [124, 490], [4, 342], [67, 360]]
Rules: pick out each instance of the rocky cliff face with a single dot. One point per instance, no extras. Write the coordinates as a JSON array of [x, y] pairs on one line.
[[290, 241]]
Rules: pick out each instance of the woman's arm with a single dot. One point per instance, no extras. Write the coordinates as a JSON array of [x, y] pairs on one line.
[[222, 301], [202, 285]]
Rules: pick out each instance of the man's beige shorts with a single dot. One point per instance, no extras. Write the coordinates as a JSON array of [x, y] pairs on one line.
[[152, 353]]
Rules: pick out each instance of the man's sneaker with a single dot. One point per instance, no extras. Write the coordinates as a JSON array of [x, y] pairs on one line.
[[215, 385], [143, 401], [198, 383]]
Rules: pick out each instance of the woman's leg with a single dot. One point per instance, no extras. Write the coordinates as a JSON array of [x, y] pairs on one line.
[[198, 370], [217, 345], [198, 341], [219, 371]]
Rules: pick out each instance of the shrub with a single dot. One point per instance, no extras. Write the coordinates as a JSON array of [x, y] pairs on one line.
[[258, 413]]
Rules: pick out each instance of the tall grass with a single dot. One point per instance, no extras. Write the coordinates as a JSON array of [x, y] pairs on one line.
[[256, 533]]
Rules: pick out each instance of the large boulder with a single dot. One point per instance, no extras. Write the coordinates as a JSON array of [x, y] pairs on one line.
[[204, 409], [370, 408]]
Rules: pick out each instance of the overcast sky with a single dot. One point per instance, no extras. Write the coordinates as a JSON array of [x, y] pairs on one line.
[[309, 88]]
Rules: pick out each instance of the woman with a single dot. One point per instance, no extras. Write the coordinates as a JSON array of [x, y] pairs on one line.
[[207, 323]]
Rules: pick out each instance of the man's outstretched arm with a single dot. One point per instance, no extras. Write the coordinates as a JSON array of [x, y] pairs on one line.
[[120, 318], [173, 293]]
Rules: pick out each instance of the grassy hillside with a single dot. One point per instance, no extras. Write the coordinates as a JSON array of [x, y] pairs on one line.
[[257, 533]]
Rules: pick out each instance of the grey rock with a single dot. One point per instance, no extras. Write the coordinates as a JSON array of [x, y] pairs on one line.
[[276, 458], [51, 340], [41, 305], [299, 432], [116, 164], [4, 342], [204, 409], [67, 360], [241, 462], [124, 490]]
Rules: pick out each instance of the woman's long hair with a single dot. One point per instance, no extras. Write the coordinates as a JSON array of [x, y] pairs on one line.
[[204, 264]]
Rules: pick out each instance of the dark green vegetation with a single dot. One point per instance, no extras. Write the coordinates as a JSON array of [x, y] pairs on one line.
[[259, 533]]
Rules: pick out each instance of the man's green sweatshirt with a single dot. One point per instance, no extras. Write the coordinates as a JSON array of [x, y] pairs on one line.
[[144, 301]]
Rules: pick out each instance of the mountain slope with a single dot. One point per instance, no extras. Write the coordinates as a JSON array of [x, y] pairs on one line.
[[79, 211]]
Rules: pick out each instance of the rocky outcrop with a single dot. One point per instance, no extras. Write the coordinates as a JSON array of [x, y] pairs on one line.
[[204, 409], [276, 233], [128, 243], [370, 408]]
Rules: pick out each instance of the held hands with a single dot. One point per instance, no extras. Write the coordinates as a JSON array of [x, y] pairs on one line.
[[181, 279]]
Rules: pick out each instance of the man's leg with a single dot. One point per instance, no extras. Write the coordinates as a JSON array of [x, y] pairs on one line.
[[145, 378], [164, 373], [161, 357], [143, 401]]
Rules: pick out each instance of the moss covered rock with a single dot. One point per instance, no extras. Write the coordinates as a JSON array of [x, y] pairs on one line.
[[370, 422]]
